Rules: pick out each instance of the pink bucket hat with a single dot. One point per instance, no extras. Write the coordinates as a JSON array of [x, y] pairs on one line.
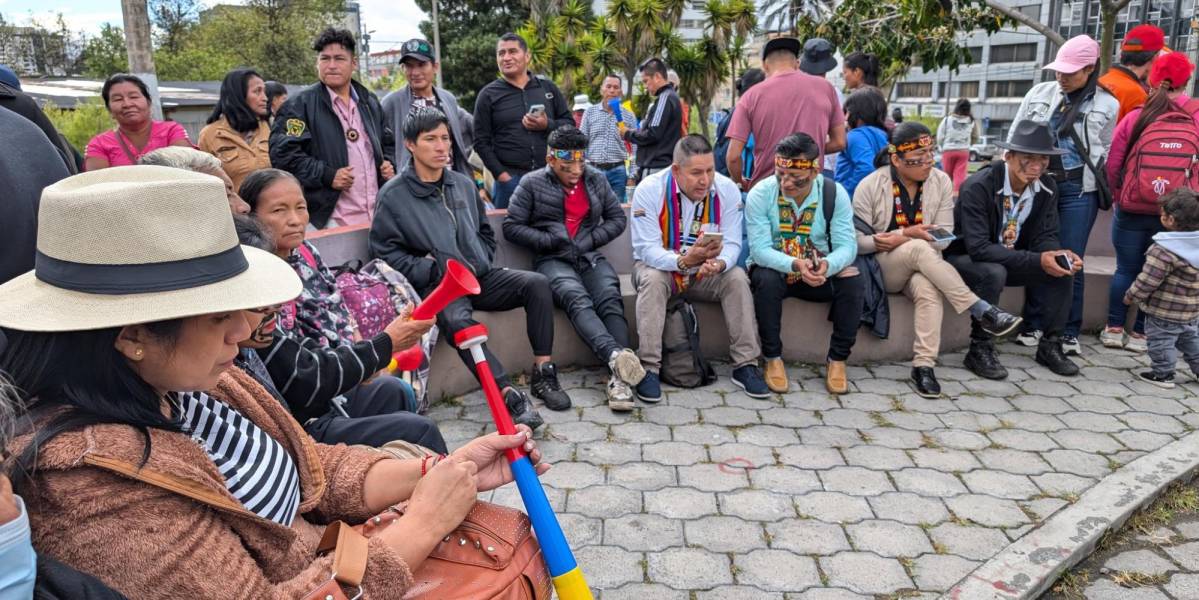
[[1077, 53]]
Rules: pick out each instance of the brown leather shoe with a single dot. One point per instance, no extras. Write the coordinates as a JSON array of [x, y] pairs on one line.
[[835, 380], [776, 376]]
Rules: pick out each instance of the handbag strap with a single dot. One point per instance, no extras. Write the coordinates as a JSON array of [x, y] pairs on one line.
[[349, 549], [124, 147]]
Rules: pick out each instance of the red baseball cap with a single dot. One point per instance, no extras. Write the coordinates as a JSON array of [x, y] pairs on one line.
[[1174, 67], [1144, 38]]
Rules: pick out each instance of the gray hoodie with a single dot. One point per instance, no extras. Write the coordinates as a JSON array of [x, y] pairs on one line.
[[1183, 243], [956, 132]]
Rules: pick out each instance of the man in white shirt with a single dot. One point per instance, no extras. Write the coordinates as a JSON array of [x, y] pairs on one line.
[[686, 241]]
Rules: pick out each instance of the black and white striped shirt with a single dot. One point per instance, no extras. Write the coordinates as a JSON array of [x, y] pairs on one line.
[[258, 471]]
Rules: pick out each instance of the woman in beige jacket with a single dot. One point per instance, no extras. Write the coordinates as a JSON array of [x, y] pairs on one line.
[[906, 201], [237, 132], [154, 465]]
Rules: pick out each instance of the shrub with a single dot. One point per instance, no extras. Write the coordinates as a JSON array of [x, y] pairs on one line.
[[81, 124]]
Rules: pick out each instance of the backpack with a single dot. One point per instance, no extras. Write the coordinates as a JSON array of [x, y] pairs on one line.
[[1165, 157], [683, 365]]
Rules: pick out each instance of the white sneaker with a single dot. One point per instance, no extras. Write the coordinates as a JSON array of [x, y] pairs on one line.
[[625, 365], [1070, 346], [1136, 342], [620, 395], [1112, 337], [1029, 338]]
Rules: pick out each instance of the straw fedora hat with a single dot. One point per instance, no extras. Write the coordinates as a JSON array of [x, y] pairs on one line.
[[139, 244]]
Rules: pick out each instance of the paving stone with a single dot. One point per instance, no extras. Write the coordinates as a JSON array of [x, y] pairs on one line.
[[820, 400], [848, 418], [1186, 555], [1018, 439], [776, 570], [877, 457], [866, 402], [734, 592], [960, 440], [703, 434], [1152, 422], [886, 386], [1139, 561], [698, 398], [789, 417], [969, 541], [1013, 461], [573, 475], [756, 505], [510, 496], [641, 433], [784, 480], [1077, 462], [1094, 422], [989, 387], [674, 453], [767, 435], [829, 437], [1087, 441], [809, 457], [833, 507], [643, 532], [737, 454], [1000, 485], [1143, 440], [856, 481], [580, 530], [909, 508], [1155, 403], [829, 594], [1105, 589], [928, 482], [730, 416], [576, 432], [610, 567], [710, 477], [680, 503], [1188, 529], [608, 453], [1030, 421], [724, 534], [1098, 404], [939, 572], [689, 568], [889, 538], [893, 437], [987, 511], [983, 404], [604, 501], [1059, 484], [1183, 585], [865, 573], [912, 420], [1041, 404], [642, 476], [1099, 387], [807, 536], [944, 459], [1045, 507], [640, 591], [668, 414]]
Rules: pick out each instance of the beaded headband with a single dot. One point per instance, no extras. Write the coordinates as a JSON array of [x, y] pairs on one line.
[[567, 154], [923, 141], [794, 163]]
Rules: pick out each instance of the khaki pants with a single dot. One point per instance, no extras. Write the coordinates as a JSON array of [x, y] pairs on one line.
[[730, 289], [917, 269]]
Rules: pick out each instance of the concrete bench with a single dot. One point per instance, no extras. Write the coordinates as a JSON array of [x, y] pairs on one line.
[[508, 340]]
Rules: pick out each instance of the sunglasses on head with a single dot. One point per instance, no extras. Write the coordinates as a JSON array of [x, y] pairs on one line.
[[566, 154]]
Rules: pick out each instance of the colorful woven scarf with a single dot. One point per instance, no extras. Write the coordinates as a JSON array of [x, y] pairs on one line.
[[794, 236], [670, 220]]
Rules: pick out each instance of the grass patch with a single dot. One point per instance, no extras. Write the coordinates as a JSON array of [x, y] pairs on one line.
[[940, 548], [926, 441], [1132, 579], [1178, 499], [880, 420], [897, 405], [1072, 584]]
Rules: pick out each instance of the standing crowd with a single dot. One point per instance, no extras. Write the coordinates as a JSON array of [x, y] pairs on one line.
[[191, 377]]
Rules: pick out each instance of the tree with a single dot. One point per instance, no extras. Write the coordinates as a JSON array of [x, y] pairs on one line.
[[1108, 11], [904, 33], [701, 66], [642, 29], [469, 30], [556, 43], [173, 19], [104, 54], [1050, 33], [780, 14], [81, 123]]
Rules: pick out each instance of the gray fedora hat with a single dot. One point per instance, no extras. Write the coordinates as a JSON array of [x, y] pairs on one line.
[[1031, 137]]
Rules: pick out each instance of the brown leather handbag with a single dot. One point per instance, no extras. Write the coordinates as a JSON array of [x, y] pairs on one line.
[[491, 555]]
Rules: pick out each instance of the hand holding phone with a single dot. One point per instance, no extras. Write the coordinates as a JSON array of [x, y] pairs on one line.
[[940, 234], [536, 110]]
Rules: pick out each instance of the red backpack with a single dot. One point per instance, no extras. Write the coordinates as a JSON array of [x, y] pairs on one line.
[[1164, 158]]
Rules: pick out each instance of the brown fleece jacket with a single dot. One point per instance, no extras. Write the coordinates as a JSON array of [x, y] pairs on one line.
[[171, 529]]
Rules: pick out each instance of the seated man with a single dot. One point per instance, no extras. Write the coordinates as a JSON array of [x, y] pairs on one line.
[[430, 214], [565, 212], [1006, 222], [795, 251], [674, 211], [906, 201]]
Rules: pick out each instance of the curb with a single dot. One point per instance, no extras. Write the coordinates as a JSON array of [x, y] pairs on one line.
[[1028, 566]]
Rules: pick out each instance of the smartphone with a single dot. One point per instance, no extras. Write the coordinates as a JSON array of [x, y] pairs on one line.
[[940, 234], [711, 238], [1064, 261], [537, 110]]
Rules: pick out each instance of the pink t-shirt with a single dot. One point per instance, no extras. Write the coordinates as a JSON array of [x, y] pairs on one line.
[[356, 204], [784, 104], [107, 146]]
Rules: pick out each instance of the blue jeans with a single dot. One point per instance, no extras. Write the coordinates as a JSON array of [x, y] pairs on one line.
[[1132, 234], [1076, 214], [503, 191], [1167, 339], [618, 178]]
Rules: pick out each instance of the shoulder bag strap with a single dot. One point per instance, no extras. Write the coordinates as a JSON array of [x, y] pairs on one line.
[[125, 147]]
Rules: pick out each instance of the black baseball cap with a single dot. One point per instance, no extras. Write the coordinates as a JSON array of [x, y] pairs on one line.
[[817, 57], [418, 49], [781, 43]]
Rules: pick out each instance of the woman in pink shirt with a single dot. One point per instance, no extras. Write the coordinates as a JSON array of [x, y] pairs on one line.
[[136, 134]]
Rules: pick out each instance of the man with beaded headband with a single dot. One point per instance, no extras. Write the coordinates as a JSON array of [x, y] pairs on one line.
[[796, 250], [905, 201]]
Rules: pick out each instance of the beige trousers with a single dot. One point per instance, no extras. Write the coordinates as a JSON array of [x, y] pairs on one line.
[[730, 289], [917, 269]]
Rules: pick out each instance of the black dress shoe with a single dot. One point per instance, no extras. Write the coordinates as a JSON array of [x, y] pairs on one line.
[[999, 322], [925, 382], [1051, 356], [982, 361]]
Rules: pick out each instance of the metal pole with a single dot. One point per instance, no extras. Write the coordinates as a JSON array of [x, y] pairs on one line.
[[436, 43], [141, 55]]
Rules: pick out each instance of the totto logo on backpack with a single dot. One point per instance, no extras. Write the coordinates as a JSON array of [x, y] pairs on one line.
[[1164, 158]]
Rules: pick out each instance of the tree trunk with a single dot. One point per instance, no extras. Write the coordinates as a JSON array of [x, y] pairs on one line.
[[1050, 33], [137, 45]]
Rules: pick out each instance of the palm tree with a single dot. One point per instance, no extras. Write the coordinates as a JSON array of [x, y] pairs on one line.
[[782, 14], [701, 66]]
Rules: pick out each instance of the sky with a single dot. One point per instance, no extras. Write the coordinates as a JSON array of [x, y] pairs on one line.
[[391, 21]]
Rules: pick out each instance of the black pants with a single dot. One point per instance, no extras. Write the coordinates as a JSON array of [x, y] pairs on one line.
[[988, 280], [505, 289], [770, 288], [590, 294], [380, 412]]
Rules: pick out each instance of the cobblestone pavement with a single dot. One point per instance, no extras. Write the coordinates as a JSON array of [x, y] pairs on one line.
[[878, 493]]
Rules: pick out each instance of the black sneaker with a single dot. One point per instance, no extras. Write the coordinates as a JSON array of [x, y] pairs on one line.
[[1162, 381], [999, 322], [1051, 356], [982, 361], [749, 378], [925, 382], [521, 409], [546, 388]]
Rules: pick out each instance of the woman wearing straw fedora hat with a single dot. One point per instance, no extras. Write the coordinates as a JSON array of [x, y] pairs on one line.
[[149, 463]]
